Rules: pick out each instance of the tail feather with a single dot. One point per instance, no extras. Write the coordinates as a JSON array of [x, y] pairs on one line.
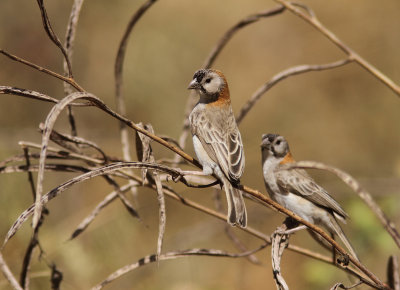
[[237, 214], [338, 230]]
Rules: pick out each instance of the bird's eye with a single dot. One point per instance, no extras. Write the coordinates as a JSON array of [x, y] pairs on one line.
[[278, 142], [208, 81]]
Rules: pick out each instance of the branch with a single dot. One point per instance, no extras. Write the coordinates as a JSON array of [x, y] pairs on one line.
[[45, 70], [119, 61], [53, 36], [393, 275], [106, 201], [172, 255], [70, 39], [281, 76], [312, 19], [8, 274]]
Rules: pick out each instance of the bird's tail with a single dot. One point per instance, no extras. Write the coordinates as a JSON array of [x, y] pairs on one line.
[[342, 236], [237, 214]]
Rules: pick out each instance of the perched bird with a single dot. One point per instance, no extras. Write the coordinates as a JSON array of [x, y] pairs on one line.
[[295, 190], [216, 138]]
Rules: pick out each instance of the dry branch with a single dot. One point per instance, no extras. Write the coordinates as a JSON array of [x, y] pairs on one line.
[[393, 275], [48, 127], [70, 40], [26, 93], [171, 255], [106, 201], [118, 70], [281, 76], [53, 37], [313, 21], [44, 70], [69, 45], [8, 274]]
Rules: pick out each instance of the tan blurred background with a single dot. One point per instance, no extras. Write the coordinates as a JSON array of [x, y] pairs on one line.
[[343, 117]]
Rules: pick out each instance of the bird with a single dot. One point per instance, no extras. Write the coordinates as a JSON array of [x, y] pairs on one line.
[[295, 190], [216, 139]]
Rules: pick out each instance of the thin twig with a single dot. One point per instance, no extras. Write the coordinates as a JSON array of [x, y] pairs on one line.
[[42, 69], [53, 36], [48, 127], [26, 93], [63, 139], [393, 275], [312, 19], [69, 48], [70, 40], [106, 201], [172, 255], [24, 276], [281, 76], [8, 274], [118, 70]]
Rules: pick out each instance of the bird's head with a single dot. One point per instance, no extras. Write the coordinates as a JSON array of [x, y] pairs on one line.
[[210, 84], [274, 145]]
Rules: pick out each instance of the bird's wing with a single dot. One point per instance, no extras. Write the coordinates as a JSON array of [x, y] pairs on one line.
[[221, 139], [297, 181]]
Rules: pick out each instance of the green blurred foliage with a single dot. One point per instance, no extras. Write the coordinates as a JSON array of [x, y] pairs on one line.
[[343, 117]]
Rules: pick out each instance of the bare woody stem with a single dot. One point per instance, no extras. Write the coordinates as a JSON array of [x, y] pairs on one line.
[[68, 80], [312, 19], [292, 71], [118, 70]]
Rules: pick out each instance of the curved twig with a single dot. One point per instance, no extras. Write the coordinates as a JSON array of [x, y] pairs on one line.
[[48, 126], [106, 201], [53, 36], [119, 61], [172, 255], [281, 76]]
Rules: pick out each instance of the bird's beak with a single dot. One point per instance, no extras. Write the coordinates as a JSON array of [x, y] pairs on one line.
[[265, 142], [193, 85]]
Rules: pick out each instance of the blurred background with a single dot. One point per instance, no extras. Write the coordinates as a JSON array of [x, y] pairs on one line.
[[343, 117]]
